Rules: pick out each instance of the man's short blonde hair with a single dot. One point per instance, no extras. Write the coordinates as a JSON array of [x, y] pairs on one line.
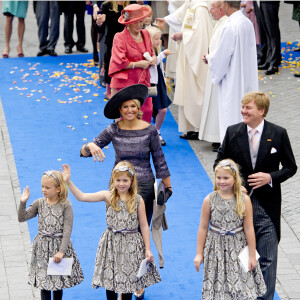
[[261, 100]]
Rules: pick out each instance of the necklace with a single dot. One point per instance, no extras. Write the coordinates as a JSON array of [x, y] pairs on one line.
[[135, 37]]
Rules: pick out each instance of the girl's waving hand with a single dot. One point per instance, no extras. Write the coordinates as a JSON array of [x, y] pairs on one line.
[[25, 195], [78, 194]]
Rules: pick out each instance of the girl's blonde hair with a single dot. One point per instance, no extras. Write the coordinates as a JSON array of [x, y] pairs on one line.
[[149, 7], [154, 30], [115, 5], [57, 179], [230, 166], [123, 167]]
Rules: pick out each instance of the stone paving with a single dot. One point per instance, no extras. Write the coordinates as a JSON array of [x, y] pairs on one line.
[[284, 90]]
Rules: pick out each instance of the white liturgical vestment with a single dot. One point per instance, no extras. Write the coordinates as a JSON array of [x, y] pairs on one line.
[[233, 67], [196, 27], [209, 127]]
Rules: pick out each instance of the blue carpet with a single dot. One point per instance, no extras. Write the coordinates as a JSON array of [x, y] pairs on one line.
[[52, 105]]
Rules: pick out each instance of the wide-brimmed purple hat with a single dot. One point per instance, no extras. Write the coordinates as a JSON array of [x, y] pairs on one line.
[[135, 91], [133, 13]]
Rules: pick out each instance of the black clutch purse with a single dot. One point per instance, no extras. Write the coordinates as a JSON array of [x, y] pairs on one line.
[[163, 194]]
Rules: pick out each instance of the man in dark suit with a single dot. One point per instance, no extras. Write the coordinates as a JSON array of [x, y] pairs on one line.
[[71, 8], [269, 55], [259, 147]]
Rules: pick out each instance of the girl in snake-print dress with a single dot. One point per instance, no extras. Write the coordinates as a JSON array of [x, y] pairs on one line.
[[55, 221], [121, 247], [229, 213]]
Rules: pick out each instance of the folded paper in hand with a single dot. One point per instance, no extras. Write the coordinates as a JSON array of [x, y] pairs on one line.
[[147, 56], [143, 268], [62, 268], [244, 258]]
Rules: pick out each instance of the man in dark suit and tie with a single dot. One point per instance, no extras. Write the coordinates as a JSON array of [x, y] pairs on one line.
[[259, 147]]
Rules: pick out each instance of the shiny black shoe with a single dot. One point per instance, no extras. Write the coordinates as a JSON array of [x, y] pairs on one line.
[[271, 70], [82, 49], [190, 135], [42, 52], [96, 59], [68, 50], [297, 74], [264, 66], [215, 147], [52, 52]]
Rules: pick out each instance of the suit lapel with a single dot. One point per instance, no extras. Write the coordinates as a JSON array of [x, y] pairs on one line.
[[265, 144], [243, 143]]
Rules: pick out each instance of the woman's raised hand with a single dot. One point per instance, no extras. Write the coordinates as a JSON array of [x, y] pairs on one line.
[[25, 195], [96, 152], [66, 173]]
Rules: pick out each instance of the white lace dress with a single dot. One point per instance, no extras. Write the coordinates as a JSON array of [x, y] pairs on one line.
[[119, 254], [223, 277]]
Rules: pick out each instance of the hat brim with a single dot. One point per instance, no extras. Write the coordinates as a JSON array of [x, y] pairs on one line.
[[135, 91], [146, 13]]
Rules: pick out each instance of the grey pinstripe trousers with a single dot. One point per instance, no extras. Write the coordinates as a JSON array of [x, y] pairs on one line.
[[266, 245]]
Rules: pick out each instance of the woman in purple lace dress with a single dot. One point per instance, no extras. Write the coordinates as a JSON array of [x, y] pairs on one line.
[[133, 140]]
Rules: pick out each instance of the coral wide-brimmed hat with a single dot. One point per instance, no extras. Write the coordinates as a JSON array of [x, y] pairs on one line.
[[133, 13], [135, 91]]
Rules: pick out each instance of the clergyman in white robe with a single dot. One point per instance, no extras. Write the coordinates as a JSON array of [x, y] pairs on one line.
[[209, 127], [233, 67], [194, 21]]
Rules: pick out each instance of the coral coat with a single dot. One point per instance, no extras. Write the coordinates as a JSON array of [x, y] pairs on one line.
[[124, 51]]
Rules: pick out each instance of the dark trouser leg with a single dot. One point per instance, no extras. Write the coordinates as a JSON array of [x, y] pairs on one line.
[[102, 50], [57, 295], [107, 57], [267, 247], [110, 295], [126, 296], [94, 36], [68, 29], [45, 295], [80, 27], [146, 190], [42, 13], [262, 51], [271, 20], [54, 25]]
